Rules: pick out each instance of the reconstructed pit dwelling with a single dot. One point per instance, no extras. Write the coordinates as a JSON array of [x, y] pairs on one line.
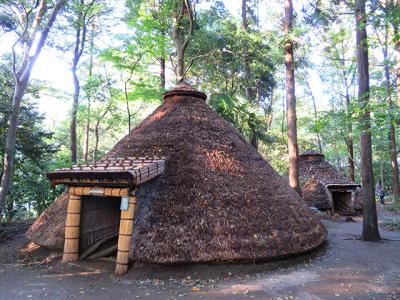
[[325, 188], [200, 191]]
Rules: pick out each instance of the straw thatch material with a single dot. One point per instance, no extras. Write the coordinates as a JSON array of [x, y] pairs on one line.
[[317, 174], [218, 199], [49, 228], [316, 166], [314, 194]]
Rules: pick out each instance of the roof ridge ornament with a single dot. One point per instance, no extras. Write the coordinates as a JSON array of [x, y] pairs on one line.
[[184, 89]]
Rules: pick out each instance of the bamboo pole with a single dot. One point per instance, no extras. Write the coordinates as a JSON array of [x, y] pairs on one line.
[[125, 236], [71, 243]]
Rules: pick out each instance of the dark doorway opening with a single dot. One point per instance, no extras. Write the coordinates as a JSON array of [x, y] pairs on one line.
[[100, 218], [341, 202]]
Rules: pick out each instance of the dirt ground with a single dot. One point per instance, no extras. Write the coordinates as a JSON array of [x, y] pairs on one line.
[[344, 268]]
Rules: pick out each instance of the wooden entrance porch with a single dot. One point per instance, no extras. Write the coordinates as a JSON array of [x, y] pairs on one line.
[[108, 180]]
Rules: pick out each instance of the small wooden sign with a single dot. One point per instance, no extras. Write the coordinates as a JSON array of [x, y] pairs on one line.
[[124, 203]]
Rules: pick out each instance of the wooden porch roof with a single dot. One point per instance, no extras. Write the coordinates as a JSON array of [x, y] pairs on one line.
[[130, 171]]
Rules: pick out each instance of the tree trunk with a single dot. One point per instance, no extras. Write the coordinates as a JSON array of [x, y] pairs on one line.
[[382, 173], [96, 132], [9, 151], [249, 90], [128, 110], [96, 141], [291, 100], [350, 142], [397, 47], [73, 135], [21, 82], [180, 61], [392, 130], [80, 36], [315, 114], [182, 38], [87, 130], [162, 74], [370, 230], [245, 24]]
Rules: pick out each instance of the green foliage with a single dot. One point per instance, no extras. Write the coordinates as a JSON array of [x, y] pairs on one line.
[[121, 82], [33, 147], [243, 115], [219, 49]]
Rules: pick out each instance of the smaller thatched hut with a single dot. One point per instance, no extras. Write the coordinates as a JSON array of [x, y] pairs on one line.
[[324, 187]]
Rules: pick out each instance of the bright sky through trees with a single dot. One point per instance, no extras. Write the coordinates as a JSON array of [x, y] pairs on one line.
[[55, 70]]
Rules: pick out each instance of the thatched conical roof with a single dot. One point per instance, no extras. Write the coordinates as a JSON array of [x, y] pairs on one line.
[[313, 164], [315, 174], [218, 199]]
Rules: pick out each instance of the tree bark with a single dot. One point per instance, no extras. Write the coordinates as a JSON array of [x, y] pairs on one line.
[[96, 132], [80, 37], [87, 130], [96, 141], [181, 39], [392, 130], [349, 139], [245, 24], [397, 47], [162, 74], [250, 95], [74, 111], [21, 78], [315, 114], [128, 109], [9, 152], [370, 230], [291, 100]]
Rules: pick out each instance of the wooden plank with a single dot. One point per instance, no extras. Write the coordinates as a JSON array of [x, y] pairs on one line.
[[99, 191], [100, 218]]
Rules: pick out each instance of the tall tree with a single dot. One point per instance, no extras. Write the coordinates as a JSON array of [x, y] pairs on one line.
[[370, 230], [384, 43], [88, 95], [35, 22], [342, 61], [84, 13], [291, 99], [390, 10], [315, 113], [250, 91], [184, 11]]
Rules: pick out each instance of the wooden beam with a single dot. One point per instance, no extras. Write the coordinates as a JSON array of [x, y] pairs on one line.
[[125, 236], [98, 182], [99, 191], [72, 228]]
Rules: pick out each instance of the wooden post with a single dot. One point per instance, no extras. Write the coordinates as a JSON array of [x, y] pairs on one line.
[[125, 236], [71, 244]]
